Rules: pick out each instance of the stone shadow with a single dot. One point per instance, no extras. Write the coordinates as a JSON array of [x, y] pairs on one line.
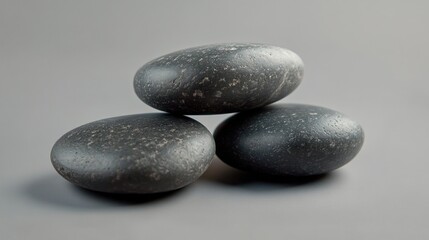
[[224, 175], [54, 190]]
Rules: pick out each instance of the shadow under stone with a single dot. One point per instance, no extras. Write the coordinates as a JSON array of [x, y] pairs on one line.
[[54, 190], [220, 173]]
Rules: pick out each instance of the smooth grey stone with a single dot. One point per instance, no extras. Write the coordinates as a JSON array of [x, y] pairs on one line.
[[288, 139], [143, 153], [220, 78]]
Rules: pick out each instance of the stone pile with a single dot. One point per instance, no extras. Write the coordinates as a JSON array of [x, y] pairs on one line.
[[158, 152]]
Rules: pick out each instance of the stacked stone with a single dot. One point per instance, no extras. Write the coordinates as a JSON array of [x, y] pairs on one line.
[[158, 152]]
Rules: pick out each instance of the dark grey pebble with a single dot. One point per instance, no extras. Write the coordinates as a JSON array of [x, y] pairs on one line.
[[220, 78], [288, 139], [143, 153]]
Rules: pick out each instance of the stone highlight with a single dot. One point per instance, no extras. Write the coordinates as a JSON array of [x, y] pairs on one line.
[[221, 78]]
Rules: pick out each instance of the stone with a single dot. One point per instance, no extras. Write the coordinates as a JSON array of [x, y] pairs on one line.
[[220, 78], [143, 153], [288, 139]]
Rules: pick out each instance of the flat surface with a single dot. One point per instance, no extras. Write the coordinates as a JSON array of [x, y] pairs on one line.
[[63, 64]]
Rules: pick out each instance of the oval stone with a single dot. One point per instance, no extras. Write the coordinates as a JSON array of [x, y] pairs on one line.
[[220, 78], [288, 139], [143, 153]]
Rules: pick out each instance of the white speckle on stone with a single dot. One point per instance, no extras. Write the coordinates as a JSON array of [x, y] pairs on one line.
[[154, 175], [161, 144], [198, 93], [227, 48], [312, 114], [205, 79], [234, 82]]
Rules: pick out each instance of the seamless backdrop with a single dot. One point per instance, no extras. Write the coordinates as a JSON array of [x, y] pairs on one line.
[[66, 63]]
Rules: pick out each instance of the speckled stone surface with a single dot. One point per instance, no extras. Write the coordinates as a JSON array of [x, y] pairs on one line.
[[144, 153], [288, 139], [219, 78]]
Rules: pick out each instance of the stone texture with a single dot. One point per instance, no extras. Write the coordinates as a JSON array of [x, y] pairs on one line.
[[143, 153], [219, 78], [288, 139]]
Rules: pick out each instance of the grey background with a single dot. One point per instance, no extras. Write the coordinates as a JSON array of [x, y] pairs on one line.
[[66, 63]]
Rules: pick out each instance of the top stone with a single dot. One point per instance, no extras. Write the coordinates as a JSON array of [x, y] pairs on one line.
[[220, 78]]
